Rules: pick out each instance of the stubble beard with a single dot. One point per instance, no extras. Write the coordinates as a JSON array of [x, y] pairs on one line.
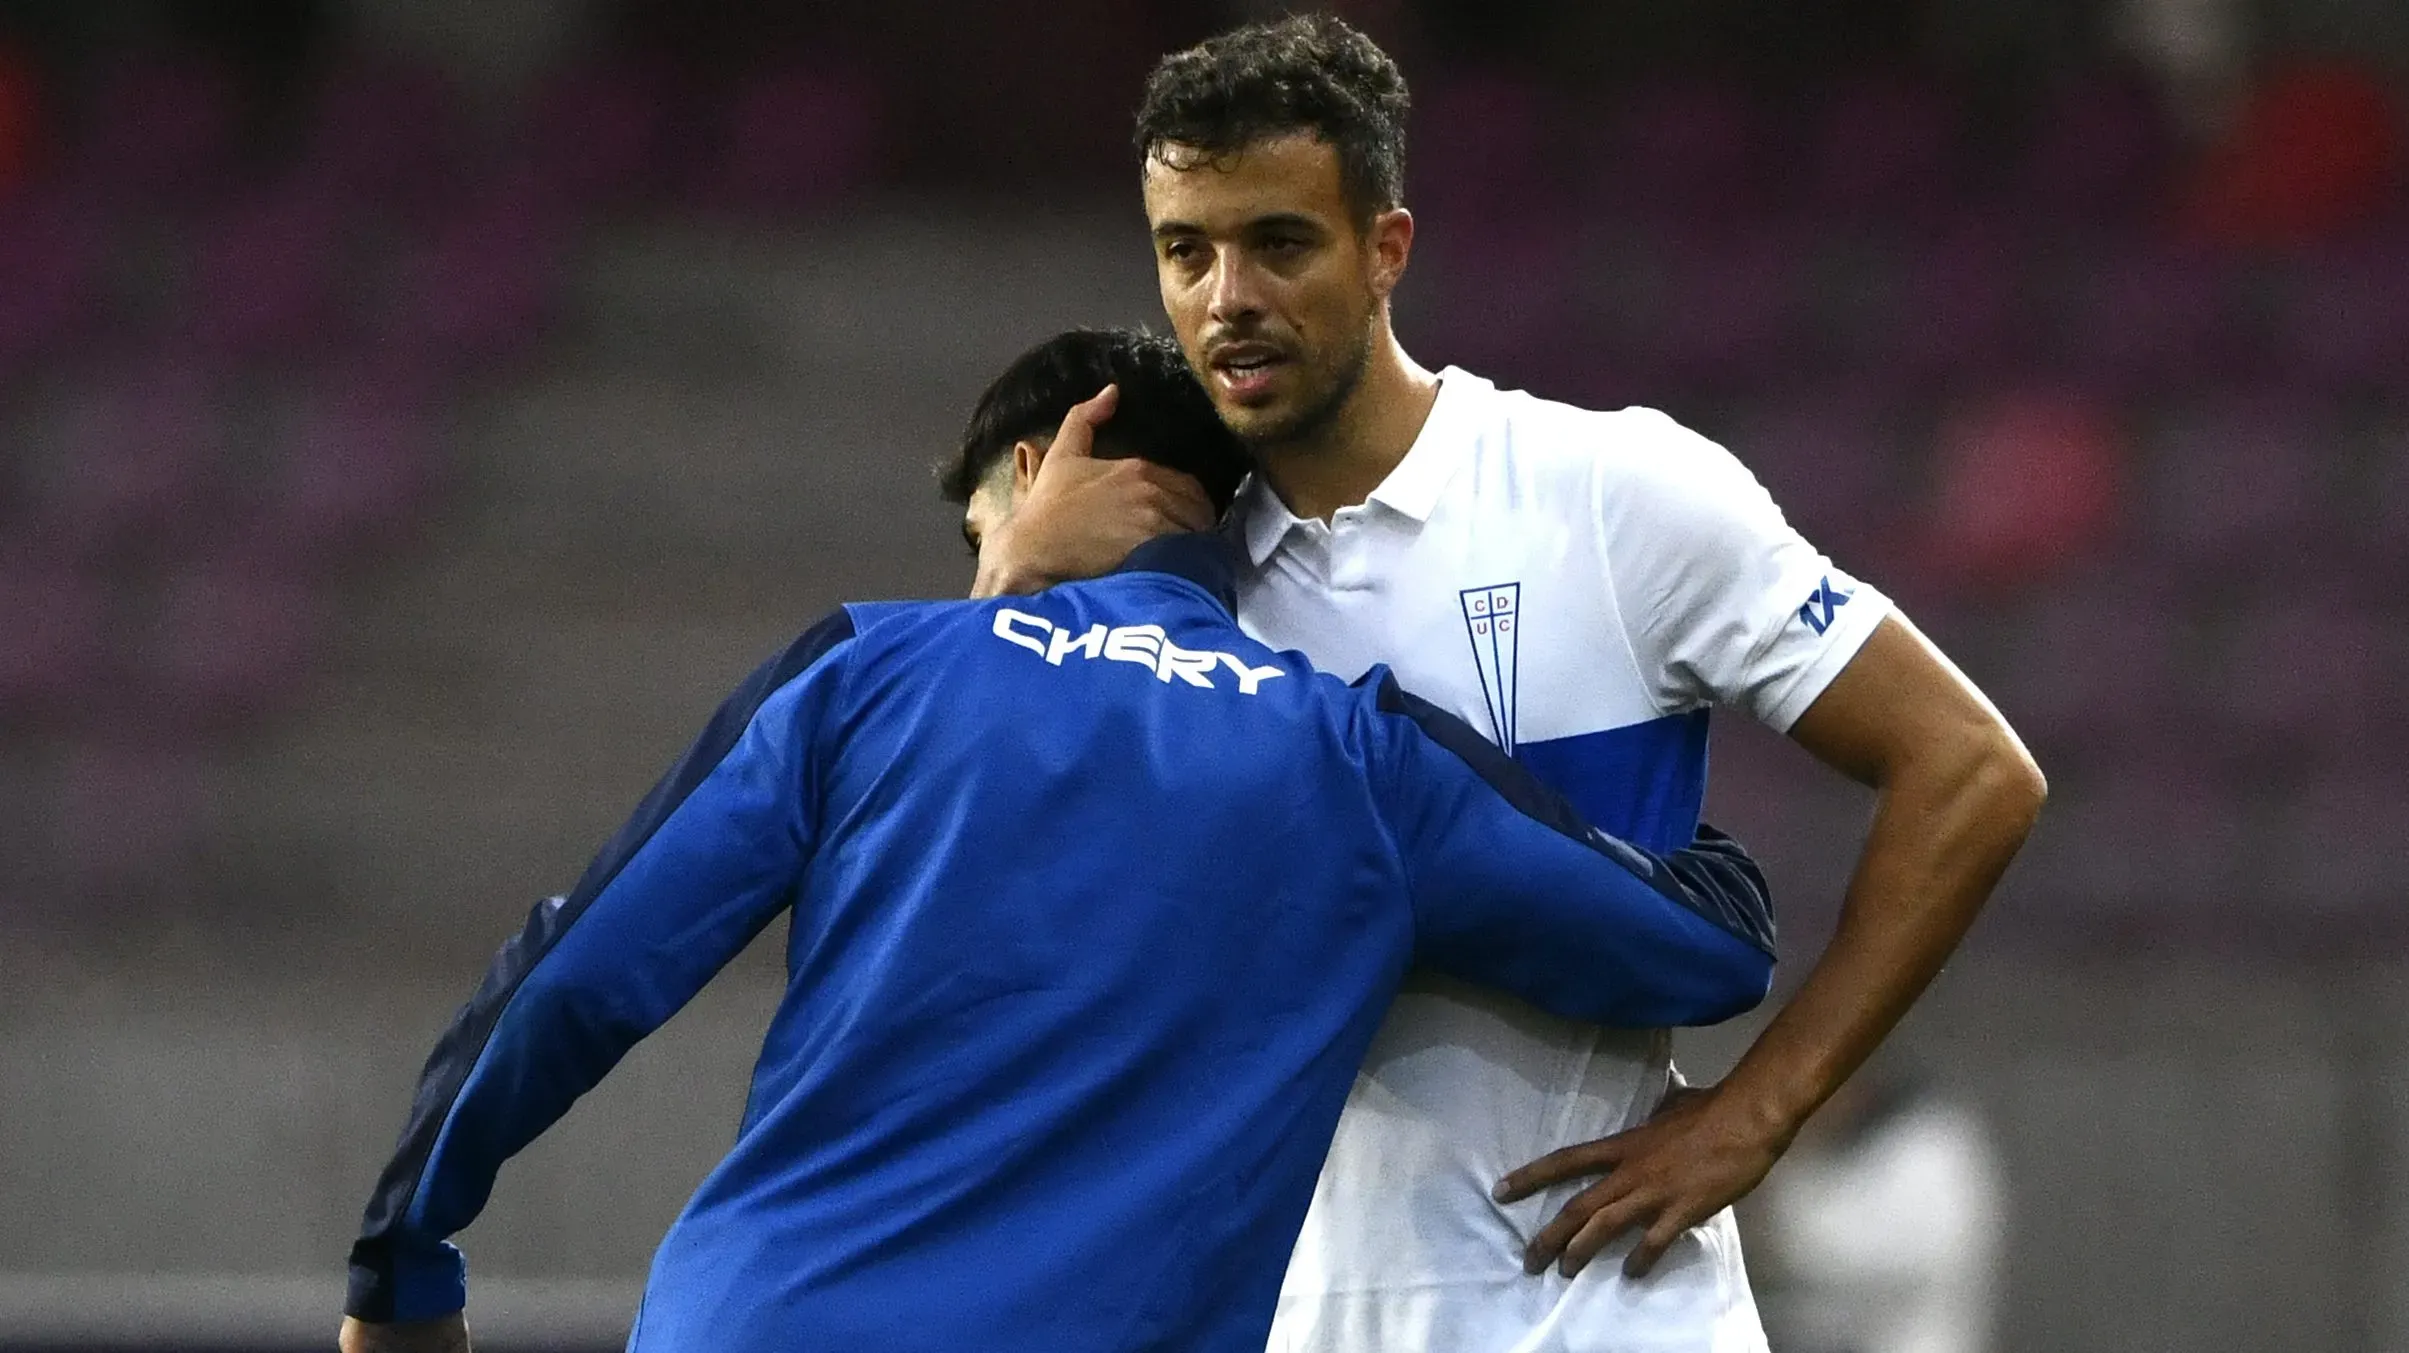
[[1305, 427]]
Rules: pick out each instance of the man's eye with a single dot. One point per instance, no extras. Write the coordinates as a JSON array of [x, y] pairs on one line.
[[1183, 251]]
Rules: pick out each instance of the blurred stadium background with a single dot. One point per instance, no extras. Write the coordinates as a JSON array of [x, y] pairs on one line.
[[415, 413]]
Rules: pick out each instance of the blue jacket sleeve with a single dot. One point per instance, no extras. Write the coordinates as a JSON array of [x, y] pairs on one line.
[[710, 857], [1513, 890]]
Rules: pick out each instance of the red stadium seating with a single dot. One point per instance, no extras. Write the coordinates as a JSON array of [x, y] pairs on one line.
[[136, 464], [229, 643], [266, 278], [1987, 362]]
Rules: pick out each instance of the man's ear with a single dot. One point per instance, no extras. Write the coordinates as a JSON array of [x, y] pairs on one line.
[[1391, 241], [1027, 454]]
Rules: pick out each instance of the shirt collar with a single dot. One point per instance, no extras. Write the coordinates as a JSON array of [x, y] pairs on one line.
[[1201, 557], [1411, 489], [1264, 520]]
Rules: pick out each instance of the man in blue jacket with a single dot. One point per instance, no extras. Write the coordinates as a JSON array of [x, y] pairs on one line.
[[1095, 904]]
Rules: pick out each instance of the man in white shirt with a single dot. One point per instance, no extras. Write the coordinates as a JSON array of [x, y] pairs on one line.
[[1583, 586]]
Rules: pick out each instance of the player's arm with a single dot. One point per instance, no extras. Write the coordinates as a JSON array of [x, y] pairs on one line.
[[1748, 613], [708, 859], [1512, 889]]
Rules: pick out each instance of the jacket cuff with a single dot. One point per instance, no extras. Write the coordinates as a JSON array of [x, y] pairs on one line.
[[392, 1283]]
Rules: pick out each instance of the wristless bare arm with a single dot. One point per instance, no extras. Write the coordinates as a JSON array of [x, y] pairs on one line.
[[1956, 795]]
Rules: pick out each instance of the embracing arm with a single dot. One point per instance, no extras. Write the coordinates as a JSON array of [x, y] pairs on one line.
[[1512, 889], [1956, 794], [708, 859]]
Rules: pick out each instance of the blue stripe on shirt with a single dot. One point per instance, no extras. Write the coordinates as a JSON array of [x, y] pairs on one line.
[[1713, 878], [1644, 782]]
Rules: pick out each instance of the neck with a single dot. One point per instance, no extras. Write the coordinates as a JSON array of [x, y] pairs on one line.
[[1340, 463]]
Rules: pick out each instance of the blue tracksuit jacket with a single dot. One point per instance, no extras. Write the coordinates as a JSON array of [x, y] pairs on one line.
[[1095, 904]]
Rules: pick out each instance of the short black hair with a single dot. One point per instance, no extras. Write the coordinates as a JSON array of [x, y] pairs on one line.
[[1305, 73], [1163, 415]]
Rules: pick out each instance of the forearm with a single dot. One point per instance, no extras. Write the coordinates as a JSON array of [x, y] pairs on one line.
[[1711, 917], [1943, 832], [1957, 793], [480, 1097], [1631, 944], [1513, 889]]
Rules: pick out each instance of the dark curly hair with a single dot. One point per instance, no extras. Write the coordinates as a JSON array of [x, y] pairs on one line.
[[1306, 73], [1163, 414]]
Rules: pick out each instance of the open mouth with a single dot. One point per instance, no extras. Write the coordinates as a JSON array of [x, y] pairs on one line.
[[1247, 372]]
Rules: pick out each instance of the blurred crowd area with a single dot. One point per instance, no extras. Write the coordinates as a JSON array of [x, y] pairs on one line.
[[2088, 339]]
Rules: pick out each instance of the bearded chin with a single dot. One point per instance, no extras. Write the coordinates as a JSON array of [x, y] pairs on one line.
[[1314, 418]]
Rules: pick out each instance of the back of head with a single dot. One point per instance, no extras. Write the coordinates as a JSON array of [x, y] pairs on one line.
[[1163, 415], [1309, 73]]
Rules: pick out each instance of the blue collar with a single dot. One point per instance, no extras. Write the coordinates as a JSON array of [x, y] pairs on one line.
[[1205, 558]]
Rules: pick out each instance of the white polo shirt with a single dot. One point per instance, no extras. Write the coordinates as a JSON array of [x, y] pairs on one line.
[[1581, 586]]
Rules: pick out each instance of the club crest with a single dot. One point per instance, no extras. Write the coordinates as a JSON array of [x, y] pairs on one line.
[[1492, 620]]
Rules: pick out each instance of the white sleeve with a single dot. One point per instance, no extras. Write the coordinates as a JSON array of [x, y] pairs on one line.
[[1723, 601]]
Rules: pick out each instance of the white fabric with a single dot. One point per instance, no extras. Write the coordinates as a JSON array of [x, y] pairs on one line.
[[1647, 576], [1892, 1243]]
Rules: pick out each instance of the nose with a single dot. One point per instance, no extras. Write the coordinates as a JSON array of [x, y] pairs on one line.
[[1235, 293]]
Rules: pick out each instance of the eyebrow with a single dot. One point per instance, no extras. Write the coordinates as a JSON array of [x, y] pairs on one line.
[[1278, 220], [1287, 220]]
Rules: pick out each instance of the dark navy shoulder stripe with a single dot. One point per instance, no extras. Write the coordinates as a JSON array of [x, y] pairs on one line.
[[709, 750], [456, 1053], [1713, 877]]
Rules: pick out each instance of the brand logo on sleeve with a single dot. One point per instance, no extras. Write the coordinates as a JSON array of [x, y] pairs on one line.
[[1146, 646], [1820, 604], [1493, 621]]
